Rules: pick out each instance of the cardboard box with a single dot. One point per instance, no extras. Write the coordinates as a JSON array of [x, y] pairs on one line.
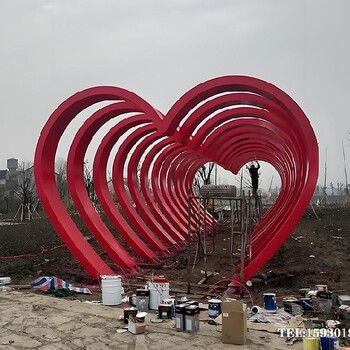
[[234, 322], [135, 327]]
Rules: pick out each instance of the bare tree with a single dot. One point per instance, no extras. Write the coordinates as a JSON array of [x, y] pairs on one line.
[[61, 177], [203, 175], [26, 190], [89, 183]]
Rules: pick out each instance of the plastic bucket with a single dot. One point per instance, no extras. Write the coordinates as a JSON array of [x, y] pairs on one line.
[[158, 292], [269, 301], [5, 280], [329, 343], [311, 344], [322, 305], [111, 290], [214, 308]]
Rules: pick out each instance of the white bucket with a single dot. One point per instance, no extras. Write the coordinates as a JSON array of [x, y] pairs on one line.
[[111, 290], [5, 280], [158, 292], [321, 287]]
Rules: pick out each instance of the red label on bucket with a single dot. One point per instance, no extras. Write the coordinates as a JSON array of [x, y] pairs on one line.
[[160, 280]]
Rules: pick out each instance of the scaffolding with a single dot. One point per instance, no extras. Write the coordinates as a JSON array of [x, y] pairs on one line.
[[245, 214]]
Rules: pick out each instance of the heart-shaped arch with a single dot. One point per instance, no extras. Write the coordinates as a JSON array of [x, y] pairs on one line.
[[229, 120]]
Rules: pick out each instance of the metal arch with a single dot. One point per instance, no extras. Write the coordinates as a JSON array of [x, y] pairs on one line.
[[101, 187], [75, 179], [276, 131]]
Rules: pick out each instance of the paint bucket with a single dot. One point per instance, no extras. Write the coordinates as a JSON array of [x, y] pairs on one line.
[[5, 280], [303, 291], [311, 344], [129, 311], [321, 287], [142, 299], [111, 290], [329, 343], [306, 303], [165, 311], [172, 303], [269, 301], [286, 302], [214, 308], [158, 292], [292, 307], [323, 302]]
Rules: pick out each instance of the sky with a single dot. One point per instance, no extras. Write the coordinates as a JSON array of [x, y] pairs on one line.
[[159, 49]]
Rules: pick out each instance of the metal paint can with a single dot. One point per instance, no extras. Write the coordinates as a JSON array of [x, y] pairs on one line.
[[270, 301], [329, 343], [214, 308], [311, 343], [306, 303], [293, 307], [129, 311], [164, 311]]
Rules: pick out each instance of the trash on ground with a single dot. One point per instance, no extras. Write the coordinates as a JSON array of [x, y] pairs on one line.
[[157, 320], [121, 330], [5, 289], [53, 283]]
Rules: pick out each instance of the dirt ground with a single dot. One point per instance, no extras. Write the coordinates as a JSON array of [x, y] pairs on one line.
[[317, 252]]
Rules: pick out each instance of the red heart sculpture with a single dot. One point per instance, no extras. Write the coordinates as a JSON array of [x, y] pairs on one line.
[[228, 120]]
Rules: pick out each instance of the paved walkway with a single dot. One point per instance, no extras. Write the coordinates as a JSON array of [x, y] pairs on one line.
[[37, 321]]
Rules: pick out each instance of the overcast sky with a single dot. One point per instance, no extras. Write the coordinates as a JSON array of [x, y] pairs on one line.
[[161, 48]]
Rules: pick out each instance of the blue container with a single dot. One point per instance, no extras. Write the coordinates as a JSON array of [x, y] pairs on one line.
[[269, 301], [306, 303], [329, 343], [214, 308]]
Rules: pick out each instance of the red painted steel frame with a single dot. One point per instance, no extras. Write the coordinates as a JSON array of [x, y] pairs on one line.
[[229, 120]]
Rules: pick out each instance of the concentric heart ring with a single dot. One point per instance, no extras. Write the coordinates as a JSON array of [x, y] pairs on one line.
[[229, 120]]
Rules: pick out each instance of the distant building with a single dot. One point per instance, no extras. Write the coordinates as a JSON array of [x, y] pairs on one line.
[[4, 177], [12, 166], [8, 178]]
